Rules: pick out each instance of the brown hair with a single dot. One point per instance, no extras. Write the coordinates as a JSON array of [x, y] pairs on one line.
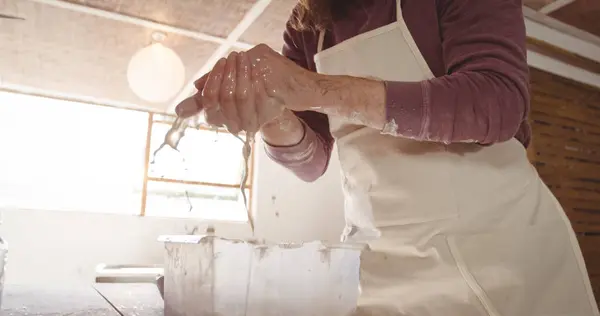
[[315, 15]]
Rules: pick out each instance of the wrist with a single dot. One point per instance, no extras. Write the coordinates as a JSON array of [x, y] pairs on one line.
[[302, 90], [285, 130]]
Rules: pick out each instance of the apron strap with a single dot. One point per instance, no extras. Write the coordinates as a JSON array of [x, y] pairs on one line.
[[399, 16], [321, 40]]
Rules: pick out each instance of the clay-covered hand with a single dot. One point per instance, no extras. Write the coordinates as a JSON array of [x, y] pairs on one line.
[[248, 89]]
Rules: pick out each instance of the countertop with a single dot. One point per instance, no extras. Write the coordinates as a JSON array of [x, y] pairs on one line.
[[101, 299]]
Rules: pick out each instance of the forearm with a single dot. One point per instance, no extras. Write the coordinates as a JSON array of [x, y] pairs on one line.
[[475, 107], [295, 146], [483, 96], [360, 100], [483, 107]]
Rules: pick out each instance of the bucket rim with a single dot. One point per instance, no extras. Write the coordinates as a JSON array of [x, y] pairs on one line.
[[197, 239]]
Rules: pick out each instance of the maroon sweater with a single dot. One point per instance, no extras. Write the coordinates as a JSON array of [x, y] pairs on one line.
[[476, 50]]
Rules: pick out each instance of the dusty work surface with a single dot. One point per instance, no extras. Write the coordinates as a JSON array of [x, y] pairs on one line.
[[142, 299], [126, 299]]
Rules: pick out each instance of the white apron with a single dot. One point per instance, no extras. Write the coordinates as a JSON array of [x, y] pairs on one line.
[[458, 229]]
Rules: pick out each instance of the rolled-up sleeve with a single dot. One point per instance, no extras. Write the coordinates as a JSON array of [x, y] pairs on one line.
[[484, 96]]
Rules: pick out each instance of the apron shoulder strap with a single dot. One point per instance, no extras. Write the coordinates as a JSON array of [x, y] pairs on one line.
[[399, 16], [321, 40]]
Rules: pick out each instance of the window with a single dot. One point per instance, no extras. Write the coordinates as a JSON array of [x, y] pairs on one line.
[[202, 177], [59, 155]]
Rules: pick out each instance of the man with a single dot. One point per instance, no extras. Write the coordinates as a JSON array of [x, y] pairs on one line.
[[427, 102]]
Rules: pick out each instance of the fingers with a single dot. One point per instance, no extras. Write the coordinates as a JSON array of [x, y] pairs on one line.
[[259, 93], [245, 95], [267, 108], [200, 83], [227, 94], [210, 95], [233, 93], [192, 105], [188, 107]]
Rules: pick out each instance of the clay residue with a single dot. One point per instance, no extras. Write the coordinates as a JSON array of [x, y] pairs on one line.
[[286, 125], [262, 251], [390, 128], [207, 240], [177, 132], [246, 154], [325, 253], [171, 140], [303, 155], [356, 118], [196, 239], [193, 231], [290, 245], [254, 242]]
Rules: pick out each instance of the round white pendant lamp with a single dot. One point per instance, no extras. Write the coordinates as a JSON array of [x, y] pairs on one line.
[[156, 73]]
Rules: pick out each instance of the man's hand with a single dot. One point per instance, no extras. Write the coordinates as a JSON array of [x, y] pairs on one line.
[[247, 90]]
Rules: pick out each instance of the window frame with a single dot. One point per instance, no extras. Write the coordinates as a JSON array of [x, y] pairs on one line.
[[147, 158], [159, 118]]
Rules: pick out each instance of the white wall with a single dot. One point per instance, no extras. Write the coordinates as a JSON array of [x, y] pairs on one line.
[[65, 247], [292, 210]]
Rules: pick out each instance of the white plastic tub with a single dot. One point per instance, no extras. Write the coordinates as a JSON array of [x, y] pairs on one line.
[[3, 253], [207, 275]]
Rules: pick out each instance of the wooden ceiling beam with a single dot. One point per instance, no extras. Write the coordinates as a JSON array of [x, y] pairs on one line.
[[546, 29], [556, 5]]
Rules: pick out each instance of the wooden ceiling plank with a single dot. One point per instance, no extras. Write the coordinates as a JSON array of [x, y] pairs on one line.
[[562, 69], [537, 4], [581, 14], [544, 28], [139, 22], [252, 15], [554, 6], [562, 55]]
